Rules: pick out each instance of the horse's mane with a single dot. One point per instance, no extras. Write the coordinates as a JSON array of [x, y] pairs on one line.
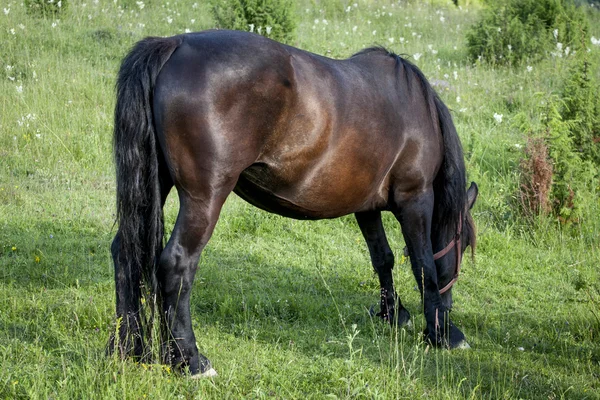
[[450, 182]]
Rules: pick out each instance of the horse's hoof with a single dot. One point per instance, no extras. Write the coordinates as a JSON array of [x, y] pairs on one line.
[[206, 374], [463, 345]]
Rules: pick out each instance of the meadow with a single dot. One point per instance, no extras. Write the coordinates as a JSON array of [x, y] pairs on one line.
[[281, 307]]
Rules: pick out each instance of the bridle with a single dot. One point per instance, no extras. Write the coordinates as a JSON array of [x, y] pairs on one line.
[[454, 242]]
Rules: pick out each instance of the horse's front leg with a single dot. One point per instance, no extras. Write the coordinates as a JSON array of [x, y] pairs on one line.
[[415, 215], [382, 259]]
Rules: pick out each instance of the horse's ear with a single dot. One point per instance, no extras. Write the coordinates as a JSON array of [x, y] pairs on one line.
[[472, 195]]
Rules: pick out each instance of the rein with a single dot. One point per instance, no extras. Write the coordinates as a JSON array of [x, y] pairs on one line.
[[453, 243]]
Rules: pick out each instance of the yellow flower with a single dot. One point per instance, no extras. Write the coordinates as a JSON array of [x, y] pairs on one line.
[[14, 248], [37, 259]]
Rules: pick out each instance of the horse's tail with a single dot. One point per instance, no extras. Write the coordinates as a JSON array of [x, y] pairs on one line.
[[449, 184], [139, 207]]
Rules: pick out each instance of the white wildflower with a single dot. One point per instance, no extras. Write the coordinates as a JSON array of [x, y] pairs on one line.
[[509, 47], [12, 31], [251, 26], [455, 74], [316, 21], [374, 33], [192, 21], [187, 30], [498, 118], [391, 40], [325, 22], [140, 4], [269, 30], [354, 28], [19, 89], [559, 46], [6, 11], [169, 20], [442, 19], [401, 40], [529, 68], [595, 42], [555, 33], [9, 67], [567, 50], [458, 99], [417, 56]]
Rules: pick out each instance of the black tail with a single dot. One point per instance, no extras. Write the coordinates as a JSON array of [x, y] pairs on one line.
[[139, 208]]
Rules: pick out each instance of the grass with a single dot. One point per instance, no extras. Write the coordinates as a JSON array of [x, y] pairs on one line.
[[280, 306]]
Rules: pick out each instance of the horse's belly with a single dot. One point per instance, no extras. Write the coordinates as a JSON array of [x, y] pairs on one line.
[[313, 194]]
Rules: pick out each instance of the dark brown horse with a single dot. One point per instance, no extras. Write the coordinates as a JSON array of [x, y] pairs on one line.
[[295, 134]]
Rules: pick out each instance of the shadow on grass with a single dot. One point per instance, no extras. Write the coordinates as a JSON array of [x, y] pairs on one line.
[[54, 254], [277, 303]]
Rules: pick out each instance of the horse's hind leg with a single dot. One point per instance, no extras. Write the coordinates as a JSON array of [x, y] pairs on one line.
[[382, 259], [197, 218]]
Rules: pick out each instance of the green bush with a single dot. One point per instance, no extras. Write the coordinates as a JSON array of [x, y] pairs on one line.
[[511, 31], [46, 8], [582, 107], [573, 185], [271, 18]]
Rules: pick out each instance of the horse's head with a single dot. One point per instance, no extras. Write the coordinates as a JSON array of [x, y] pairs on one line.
[[447, 260]]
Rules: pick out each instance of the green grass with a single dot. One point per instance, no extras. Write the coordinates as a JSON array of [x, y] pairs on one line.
[[279, 306]]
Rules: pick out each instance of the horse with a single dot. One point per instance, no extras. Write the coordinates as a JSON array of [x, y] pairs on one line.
[[295, 134]]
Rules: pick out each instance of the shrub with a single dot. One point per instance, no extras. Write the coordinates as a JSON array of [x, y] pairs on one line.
[[552, 151], [46, 8], [536, 178], [271, 18], [582, 107], [511, 31]]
